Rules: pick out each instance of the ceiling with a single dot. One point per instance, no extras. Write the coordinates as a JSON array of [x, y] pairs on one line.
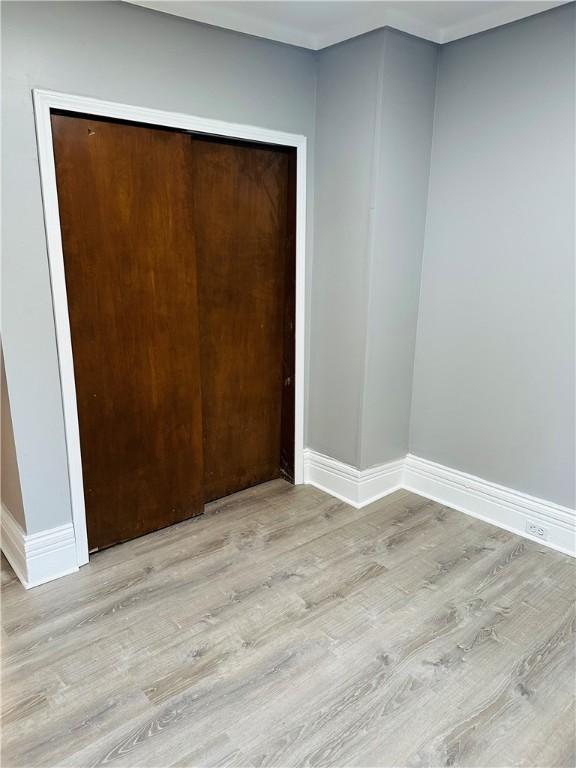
[[316, 24]]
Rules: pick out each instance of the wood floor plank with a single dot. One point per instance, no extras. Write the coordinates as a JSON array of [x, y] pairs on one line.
[[285, 628]]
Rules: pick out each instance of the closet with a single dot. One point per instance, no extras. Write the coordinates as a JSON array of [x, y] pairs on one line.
[[179, 255]]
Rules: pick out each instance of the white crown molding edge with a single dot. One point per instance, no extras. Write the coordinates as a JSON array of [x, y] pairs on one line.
[[38, 557], [484, 500], [225, 17], [375, 17], [496, 18]]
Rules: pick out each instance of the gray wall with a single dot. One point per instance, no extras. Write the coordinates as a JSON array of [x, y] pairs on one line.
[[494, 371], [345, 126], [122, 53], [375, 105], [402, 162], [493, 385], [11, 492]]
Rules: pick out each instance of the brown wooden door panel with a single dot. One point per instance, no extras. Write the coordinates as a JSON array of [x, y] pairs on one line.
[[179, 254], [126, 215], [243, 246]]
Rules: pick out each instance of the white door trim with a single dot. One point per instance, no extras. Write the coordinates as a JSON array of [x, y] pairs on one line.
[[44, 101]]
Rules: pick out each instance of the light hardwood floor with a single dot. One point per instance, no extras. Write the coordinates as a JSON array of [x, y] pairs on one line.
[[285, 628]]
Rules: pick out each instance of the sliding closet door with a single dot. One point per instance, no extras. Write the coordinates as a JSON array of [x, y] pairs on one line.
[[244, 233], [125, 199]]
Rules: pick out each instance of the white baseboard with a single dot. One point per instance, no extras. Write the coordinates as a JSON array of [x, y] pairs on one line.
[[355, 487], [493, 503], [38, 557]]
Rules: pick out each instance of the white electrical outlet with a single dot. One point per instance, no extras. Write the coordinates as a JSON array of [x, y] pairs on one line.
[[535, 529]]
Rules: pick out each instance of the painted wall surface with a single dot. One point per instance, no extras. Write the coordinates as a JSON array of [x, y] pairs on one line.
[[10, 481], [493, 384], [401, 165], [375, 106], [345, 126], [121, 53], [494, 372]]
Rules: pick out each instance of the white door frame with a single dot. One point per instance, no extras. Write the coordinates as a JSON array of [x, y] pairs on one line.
[[44, 101]]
